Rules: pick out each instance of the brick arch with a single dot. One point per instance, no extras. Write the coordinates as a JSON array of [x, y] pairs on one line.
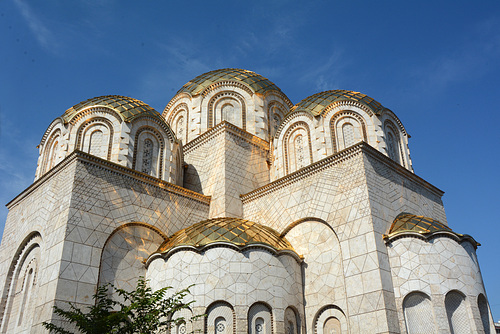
[[336, 118]]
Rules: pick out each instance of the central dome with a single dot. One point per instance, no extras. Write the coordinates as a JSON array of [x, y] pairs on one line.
[[239, 232], [257, 82]]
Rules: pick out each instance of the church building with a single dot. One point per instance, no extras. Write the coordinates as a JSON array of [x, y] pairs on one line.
[[288, 218]]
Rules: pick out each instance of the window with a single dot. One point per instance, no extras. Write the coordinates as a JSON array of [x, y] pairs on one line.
[[418, 313], [457, 313]]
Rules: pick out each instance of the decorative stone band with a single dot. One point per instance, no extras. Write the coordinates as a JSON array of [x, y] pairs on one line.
[[248, 137], [431, 235], [238, 248], [113, 167], [332, 160]]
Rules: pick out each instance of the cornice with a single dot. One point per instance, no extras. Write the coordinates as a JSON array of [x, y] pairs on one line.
[[113, 167], [348, 153]]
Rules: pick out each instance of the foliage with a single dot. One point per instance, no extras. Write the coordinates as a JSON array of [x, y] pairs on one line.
[[143, 311]]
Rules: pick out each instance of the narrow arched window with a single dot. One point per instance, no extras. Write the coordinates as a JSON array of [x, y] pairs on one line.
[[147, 157], [332, 326], [96, 144], [259, 319], [484, 312], [26, 296], [180, 127], [348, 134], [418, 314], [456, 311], [54, 154], [299, 152], [220, 325]]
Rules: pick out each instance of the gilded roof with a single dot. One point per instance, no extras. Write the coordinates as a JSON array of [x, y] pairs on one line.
[[257, 82], [237, 231], [128, 108], [406, 222], [315, 104]]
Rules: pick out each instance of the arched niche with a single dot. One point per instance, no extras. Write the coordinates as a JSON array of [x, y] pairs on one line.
[[297, 147], [330, 319], [21, 286], [418, 313], [347, 128], [260, 319], [393, 142], [220, 318], [95, 136], [457, 313], [124, 253], [227, 106], [149, 152]]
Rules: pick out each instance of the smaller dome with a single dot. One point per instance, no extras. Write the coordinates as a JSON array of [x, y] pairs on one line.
[[128, 108], [315, 104], [237, 231], [406, 222], [257, 82]]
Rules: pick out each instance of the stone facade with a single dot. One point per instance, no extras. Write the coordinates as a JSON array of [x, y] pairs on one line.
[[293, 219]]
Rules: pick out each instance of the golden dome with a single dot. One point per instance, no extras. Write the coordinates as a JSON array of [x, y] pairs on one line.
[[236, 231], [128, 108], [406, 222], [316, 104], [257, 82]]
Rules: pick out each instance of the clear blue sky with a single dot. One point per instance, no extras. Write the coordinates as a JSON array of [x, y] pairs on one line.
[[436, 64]]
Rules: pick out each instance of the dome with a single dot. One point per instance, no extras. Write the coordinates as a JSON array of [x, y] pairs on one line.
[[406, 222], [257, 82], [315, 104], [236, 231], [128, 108]]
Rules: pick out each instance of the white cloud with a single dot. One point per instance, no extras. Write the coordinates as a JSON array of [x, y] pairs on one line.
[[42, 34]]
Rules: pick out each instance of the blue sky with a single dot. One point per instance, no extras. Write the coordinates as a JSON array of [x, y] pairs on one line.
[[436, 64]]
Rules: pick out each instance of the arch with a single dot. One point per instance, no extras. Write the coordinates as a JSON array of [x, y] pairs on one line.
[[418, 314], [180, 112], [20, 284], [456, 311], [393, 142], [216, 103], [220, 318], [124, 252], [275, 113], [154, 154], [86, 130], [292, 321], [294, 155], [330, 319], [260, 320], [341, 118], [484, 312], [182, 322], [51, 151]]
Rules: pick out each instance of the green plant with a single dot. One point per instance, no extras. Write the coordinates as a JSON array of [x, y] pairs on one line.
[[142, 311]]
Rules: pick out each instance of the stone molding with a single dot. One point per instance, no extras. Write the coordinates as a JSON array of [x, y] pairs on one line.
[[225, 126], [199, 250], [360, 148], [112, 167], [459, 238]]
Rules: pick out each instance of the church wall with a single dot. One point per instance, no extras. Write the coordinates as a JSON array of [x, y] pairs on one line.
[[437, 267], [225, 163], [36, 221], [335, 190], [239, 278]]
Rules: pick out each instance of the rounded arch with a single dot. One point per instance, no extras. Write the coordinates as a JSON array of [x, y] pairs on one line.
[[179, 121], [294, 144], [124, 253], [215, 110], [84, 136], [260, 318], [20, 282], [220, 318], [418, 313], [146, 159], [394, 144], [51, 152], [276, 111], [97, 111], [323, 320], [359, 128], [292, 320], [484, 312], [457, 312]]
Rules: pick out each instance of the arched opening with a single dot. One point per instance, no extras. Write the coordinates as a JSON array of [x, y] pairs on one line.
[[482, 304], [456, 311], [419, 318]]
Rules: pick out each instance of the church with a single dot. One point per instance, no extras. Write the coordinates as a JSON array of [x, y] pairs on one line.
[[288, 218]]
